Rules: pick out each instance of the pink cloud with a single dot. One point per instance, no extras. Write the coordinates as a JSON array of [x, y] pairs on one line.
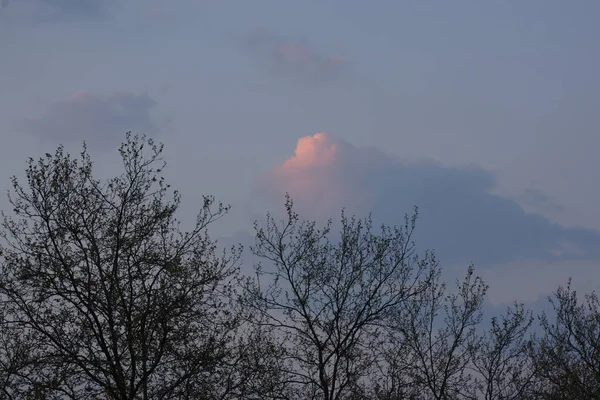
[[459, 216], [323, 174], [319, 149]]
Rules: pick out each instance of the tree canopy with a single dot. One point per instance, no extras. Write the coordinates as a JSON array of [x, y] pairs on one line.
[[104, 296]]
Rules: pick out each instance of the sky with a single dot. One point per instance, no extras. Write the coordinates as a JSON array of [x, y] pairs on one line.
[[484, 114]]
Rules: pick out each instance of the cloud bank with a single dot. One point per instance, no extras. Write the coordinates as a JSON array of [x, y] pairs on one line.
[[458, 216], [99, 120]]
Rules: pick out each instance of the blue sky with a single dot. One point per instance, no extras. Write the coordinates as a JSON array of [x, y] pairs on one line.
[[483, 113]]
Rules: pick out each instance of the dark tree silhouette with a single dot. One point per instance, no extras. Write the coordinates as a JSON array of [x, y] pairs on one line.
[[567, 355], [16, 359], [111, 299], [103, 296], [330, 299], [431, 355], [500, 360]]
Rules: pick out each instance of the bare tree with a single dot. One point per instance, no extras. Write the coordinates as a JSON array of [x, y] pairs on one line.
[[256, 370], [113, 297], [430, 355], [16, 360], [567, 355], [102, 296], [501, 360], [329, 300]]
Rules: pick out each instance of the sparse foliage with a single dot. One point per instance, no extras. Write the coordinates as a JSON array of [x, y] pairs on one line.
[[567, 355], [501, 361], [431, 354], [330, 299], [103, 296], [16, 360], [116, 300]]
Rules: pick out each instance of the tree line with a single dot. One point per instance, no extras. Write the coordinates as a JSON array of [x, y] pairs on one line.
[[104, 296]]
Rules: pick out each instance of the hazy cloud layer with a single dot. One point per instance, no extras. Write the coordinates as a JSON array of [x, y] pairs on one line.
[[98, 119], [459, 217], [538, 199], [47, 10], [530, 282], [291, 58]]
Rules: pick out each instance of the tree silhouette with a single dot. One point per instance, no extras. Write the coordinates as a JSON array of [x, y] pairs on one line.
[[103, 296], [330, 299], [113, 299], [567, 355]]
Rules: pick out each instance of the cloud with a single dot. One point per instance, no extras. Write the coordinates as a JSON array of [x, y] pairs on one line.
[[323, 173], [459, 216], [53, 10], [538, 199], [291, 58], [529, 282], [99, 120]]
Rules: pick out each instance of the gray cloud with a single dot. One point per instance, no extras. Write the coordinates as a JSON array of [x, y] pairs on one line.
[[291, 58], [529, 281], [538, 199], [52, 10], [97, 119], [459, 216]]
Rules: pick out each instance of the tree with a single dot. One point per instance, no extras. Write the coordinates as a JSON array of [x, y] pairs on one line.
[[16, 359], [329, 300], [501, 361], [430, 355], [114, 300], [567, 355]]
